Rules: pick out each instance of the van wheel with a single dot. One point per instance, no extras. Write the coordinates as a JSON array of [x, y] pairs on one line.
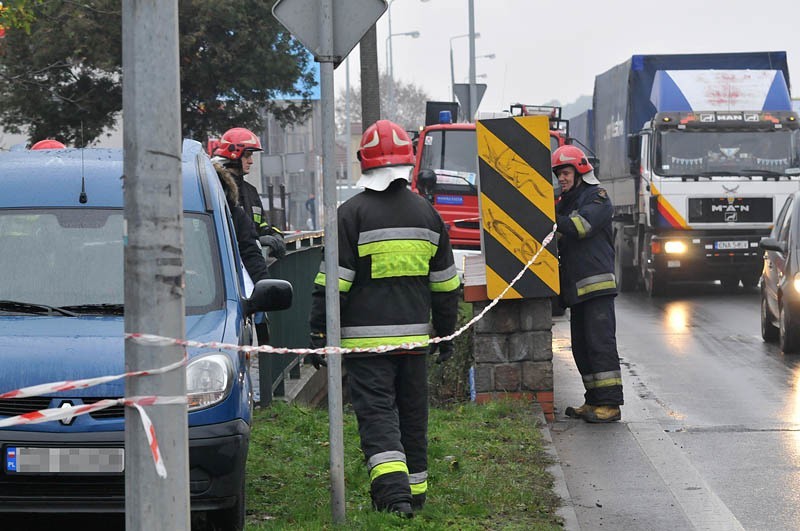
[[769, 332], [789, 340], [230, 518]]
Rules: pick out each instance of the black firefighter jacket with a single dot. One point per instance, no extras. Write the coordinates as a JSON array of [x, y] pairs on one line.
[[585, 245], [246, 237], [396, 271]]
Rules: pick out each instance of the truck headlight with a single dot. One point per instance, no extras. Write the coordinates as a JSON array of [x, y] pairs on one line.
[[796, 282], [675, 247], [208, 380]]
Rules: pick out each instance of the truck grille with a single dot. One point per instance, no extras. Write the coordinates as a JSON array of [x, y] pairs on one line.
[[730, 210]]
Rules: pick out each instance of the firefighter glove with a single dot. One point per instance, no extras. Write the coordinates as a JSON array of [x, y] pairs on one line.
[[318, 340], [277, 249], [445, 349]]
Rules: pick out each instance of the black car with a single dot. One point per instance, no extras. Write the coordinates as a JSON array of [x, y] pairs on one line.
[[780, 279]]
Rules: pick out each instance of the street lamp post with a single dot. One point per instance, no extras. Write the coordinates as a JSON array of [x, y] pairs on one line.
[[390, 67], [452, 70]]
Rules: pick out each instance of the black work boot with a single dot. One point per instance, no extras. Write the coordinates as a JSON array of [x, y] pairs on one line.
[[576, 412], [418, 502], [402, 509], [601, 414]]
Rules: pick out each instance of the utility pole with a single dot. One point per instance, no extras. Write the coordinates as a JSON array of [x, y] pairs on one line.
[[153, 244], [370, 86], [473, 96]]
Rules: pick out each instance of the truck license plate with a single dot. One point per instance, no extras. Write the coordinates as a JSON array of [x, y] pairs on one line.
[[26, 460], [737, 244]]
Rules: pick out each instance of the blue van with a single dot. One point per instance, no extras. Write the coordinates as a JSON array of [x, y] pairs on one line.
[[61, 318]]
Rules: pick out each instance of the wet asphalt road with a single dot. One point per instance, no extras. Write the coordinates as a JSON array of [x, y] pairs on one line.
[[710, 437]]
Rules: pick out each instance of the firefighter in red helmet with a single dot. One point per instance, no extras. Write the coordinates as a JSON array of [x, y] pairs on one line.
[[588, 285], [235, 153], [393, 246]]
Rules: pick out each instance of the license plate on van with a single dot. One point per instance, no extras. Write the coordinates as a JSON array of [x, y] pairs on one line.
[[737, 244], [27, 460]]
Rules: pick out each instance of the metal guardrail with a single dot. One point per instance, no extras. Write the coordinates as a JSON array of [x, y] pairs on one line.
[[289, 328]]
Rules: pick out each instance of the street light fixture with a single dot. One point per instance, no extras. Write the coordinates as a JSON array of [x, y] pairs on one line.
[[452, 71], [390, 67]]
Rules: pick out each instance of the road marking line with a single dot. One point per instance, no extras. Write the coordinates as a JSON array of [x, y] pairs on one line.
[[703, 508]]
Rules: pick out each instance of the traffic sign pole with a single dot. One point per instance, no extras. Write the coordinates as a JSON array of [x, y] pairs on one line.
[[331, 264], [330, 31]]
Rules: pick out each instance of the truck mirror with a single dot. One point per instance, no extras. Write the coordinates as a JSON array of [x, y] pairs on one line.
[[634, 147], [426, 181]]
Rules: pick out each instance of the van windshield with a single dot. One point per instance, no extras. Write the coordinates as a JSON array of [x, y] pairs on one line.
[[74, 257]]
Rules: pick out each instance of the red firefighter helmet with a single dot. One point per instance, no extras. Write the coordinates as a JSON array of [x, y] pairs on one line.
[[48, 144], [571, 156], [236, 142], [385, 143]]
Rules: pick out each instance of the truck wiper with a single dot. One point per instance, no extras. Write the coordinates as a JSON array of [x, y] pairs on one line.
[[104, 309], [769, 173], [28, 307]]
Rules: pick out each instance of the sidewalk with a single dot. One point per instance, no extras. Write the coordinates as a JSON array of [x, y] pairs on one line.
[[627, 475]]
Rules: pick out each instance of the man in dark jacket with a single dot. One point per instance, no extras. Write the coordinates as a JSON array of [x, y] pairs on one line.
[[246, 237], [235, 153], [588, 286], [396, 272]]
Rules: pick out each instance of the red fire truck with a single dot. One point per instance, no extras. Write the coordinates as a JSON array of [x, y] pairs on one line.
[[446, 169]]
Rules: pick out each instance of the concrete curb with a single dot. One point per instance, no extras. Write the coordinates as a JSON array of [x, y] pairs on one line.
[[566, 511]]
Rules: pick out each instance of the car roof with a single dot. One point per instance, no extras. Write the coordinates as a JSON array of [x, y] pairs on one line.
[[52, 178]]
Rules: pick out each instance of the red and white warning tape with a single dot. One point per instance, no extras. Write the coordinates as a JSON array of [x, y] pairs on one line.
[[46, 415], [155, 340]]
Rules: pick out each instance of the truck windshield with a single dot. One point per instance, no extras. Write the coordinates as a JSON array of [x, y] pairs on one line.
[[690, 153], [74, 257], [453, 156]]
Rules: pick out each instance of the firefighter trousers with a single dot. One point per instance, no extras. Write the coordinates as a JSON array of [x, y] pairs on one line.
[[594, 346], [389, 394]]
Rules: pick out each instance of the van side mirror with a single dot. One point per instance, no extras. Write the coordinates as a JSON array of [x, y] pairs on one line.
[[426, 182], [269, 295]]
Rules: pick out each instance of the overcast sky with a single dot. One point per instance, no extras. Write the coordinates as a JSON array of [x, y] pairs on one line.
[[553, 49]]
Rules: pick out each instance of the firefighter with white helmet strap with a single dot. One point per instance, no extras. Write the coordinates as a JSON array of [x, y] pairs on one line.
[[396, 271], [235, 152], [588, 286]]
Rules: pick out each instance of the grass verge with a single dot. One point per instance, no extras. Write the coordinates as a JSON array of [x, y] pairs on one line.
[[486, 465]]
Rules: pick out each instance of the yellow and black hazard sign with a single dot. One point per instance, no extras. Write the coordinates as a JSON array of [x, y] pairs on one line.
[[517, 205]]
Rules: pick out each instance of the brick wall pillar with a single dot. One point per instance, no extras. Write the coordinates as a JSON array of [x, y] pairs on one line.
[[513, 348]]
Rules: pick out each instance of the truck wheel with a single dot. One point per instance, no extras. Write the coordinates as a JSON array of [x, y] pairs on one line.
[[625, 275], [750, 280], [769, 332], [655, 284], [789, 337], [729, 284]]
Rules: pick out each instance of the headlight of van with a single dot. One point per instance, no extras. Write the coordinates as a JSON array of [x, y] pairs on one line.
[[208, 380], [796, 282]]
